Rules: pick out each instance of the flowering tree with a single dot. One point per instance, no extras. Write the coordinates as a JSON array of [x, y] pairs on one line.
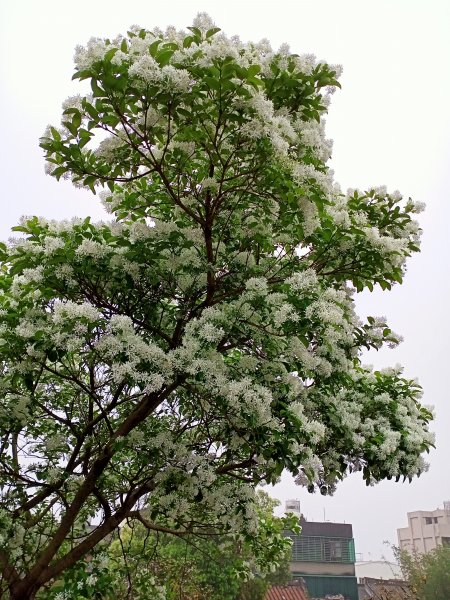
[[206, 338], [145, 564]]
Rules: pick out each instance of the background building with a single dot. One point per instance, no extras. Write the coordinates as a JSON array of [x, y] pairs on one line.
[[377, 569], [324, 556], [426, 530]]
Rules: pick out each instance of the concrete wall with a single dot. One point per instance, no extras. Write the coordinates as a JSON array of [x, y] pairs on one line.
[[322, 568]]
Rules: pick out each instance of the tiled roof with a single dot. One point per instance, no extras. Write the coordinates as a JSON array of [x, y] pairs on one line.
[[391, 589], [286, 592]]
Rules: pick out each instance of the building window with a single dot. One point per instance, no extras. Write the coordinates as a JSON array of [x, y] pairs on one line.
[[335, 550], [428, 520], [435, 519]]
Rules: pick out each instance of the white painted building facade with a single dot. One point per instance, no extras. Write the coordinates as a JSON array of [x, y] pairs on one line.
[[426, 530], [377, 569]]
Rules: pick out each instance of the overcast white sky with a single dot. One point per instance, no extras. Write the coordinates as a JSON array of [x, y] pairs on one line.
[[390, 125]]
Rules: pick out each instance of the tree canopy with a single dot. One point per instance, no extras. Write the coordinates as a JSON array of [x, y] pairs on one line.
[[205, 339], [145, 565], [427, 574], [141, 564]]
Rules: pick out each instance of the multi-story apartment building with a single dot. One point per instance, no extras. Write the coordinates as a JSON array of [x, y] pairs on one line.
[[324, 557], [426, 530]]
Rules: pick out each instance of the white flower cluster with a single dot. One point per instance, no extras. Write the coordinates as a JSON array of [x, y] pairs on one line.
[[146, 363], [257, 285], [244, 397], [287, 133], [310, 215], [304, 281], [305, 174], [267, 123], [229, 504], [394, 248], [108, 147], [313, 135], [170, 77], [94, 51], [68, 311]]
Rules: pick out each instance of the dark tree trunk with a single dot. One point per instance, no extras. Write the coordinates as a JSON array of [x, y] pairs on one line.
[[21, 592]]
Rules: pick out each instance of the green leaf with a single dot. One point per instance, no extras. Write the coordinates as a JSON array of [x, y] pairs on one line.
[[188, 41], [153, 48], [58, 172], [70, 111], [83, 141], [110, 53], [256, 83], [90, 110], [73, 130], [98, 91], [212, 32], [90, 181], [115, 82], [196, 31], [55, 133], [253, 70], [170, 46], [76, 120], [85, 134], [83, 74], [212, 83], [163, 57]]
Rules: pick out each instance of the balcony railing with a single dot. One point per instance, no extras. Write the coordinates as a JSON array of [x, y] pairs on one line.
[[322, 549]]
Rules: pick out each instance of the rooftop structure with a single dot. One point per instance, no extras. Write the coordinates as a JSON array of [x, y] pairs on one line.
[[293, 506], [324, 557]]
